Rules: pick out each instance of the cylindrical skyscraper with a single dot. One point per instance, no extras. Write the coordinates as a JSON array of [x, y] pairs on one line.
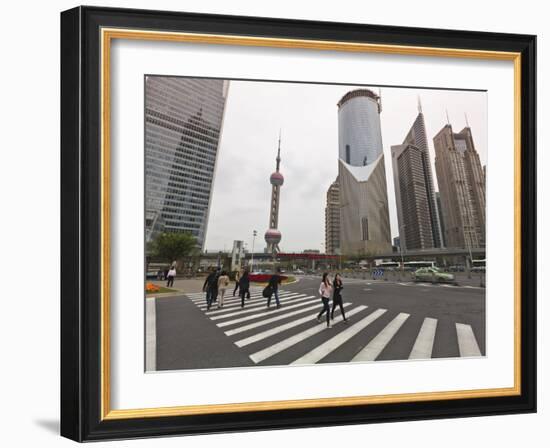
[[364, 215], [273, 235], [359, 132]]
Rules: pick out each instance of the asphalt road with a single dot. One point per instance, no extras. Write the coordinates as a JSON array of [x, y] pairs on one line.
[[388, 320]]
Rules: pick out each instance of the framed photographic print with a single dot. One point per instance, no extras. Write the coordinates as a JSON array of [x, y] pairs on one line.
[[273, 223]]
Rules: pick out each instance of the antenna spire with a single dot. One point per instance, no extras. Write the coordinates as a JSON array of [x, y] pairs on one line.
[[447, 114], [419, 104], [466, 118], [279, 151]]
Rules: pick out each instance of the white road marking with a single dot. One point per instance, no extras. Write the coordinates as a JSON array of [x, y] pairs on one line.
[[236, 303], [333, 343], [295, 339], [467, 344], [255, 309], [373, 349], [275, 330], [150, 335], [269, 312], [271, 320], [227, 297], [424, 343]]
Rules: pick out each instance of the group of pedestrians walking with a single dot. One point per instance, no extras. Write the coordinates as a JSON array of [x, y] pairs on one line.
[[217, 282], [326, 289]]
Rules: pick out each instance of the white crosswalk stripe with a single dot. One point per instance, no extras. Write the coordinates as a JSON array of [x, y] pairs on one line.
[[255, 309], [268, 312], [467, 344], [333, 343], [237, 302], [247, 303], [371, 351], [275, 330], [227, 297], [271, 320], [198, 295], [424, 343], [295, 339]]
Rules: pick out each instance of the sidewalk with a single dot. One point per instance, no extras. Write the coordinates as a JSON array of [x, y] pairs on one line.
[[182, 286]]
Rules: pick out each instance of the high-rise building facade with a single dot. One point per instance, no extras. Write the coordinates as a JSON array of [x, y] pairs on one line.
[[183, 121], [462, 188], [417, 215], [440, 215], [332, 219], [364, 215]]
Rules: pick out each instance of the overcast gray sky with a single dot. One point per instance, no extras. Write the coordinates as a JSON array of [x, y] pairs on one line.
[[308, 118]]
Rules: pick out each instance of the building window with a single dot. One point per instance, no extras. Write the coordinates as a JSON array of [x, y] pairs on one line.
[[365, 228], [348, 154]]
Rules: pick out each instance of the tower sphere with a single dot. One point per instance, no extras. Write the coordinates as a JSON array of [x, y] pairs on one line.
[[272, 236], [277, 179]]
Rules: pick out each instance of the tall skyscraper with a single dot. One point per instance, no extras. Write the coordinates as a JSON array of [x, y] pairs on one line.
[[440, 215], [462, 188], [332, 219], [417, 216], [183, 121], [364, 216], [273, 235]]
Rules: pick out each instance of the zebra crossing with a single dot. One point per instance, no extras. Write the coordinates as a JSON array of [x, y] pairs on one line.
[[292, 332]]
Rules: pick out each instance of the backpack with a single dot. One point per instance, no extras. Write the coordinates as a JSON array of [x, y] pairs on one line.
[[267, 292]]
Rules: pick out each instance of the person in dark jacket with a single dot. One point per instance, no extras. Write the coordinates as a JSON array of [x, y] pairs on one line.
[[210, 287], [244, 286], [337, 296], [273, 284]]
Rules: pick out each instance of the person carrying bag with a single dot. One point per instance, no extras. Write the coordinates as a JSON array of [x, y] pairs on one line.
[[325, 291]]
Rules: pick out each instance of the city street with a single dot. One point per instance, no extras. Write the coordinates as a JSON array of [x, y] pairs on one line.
[[388, 320]]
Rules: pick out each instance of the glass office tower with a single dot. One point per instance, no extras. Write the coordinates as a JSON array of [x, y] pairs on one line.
[[364, 215], [183, 121]]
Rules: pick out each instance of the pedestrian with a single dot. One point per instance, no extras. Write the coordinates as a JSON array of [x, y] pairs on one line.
[[337, 297], [244, 286], [223, 283], [165, 274], [238, 275], [210, 287], [170, 277], [273, 285], [325, 290]]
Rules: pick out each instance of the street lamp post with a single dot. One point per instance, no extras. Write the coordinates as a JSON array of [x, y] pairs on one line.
[[469, 264], [401, 241], [254, 234]]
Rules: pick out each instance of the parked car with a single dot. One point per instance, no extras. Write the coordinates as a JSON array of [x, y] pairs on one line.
[[299, 271], [432, 274]]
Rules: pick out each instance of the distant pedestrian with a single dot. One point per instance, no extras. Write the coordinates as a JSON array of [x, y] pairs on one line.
[[244, 286], [210, 287], [273, 286], [170, 277], [238, 275], [223, 283], [325, 291], [337, 297]]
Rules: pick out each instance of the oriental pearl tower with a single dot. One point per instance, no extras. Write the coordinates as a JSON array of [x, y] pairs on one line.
[[273, 235]]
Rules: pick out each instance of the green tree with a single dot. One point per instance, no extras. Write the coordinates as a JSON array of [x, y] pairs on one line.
[[174, 246]]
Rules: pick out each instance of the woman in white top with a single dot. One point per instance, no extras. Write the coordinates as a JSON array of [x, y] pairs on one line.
[[223, 283], [325, 291], [171, 276]]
